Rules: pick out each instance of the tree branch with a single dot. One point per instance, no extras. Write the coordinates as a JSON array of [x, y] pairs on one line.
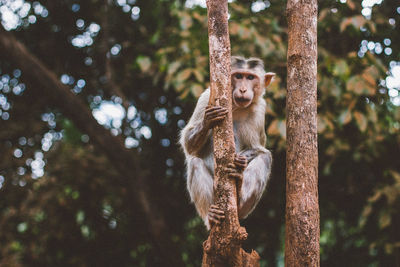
[[110, 84], [76, 110]]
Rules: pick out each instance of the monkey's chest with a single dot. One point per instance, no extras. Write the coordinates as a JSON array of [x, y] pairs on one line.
[[245, 136]]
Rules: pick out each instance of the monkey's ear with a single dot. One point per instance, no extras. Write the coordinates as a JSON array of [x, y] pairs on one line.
[[268, 78]]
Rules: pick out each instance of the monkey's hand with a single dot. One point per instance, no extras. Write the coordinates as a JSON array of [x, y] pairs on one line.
[[213, 115], [215, 215]]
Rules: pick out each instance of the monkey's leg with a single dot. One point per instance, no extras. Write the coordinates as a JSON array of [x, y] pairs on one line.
[[255, 179], [235, 171], [200, 187]]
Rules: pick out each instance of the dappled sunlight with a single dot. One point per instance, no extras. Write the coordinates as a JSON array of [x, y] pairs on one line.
[[260, 5], [37, 165], [367, 7], [129, 6], [109, 114], [193, 3], [201, 3], [86, 38], [161, 115], [14, 13], [393, 83]]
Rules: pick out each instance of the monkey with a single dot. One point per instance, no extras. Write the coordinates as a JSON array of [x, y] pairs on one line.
[[251, 167]]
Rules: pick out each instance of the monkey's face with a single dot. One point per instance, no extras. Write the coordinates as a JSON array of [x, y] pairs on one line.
[[245, 85]]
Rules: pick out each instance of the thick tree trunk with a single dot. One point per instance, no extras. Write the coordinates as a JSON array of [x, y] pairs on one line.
[[302, 212], [73, 107], [223, 246]]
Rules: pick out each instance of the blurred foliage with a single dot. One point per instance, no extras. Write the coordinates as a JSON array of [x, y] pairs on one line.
[[62, 204]]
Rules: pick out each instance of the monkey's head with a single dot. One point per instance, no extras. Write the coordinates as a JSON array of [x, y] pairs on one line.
[[249, 80]]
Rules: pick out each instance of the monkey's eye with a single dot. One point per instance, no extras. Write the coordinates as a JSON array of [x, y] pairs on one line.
[[238, 76], [250, 77]]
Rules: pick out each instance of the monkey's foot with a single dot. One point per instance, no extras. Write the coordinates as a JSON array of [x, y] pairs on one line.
[[240, 162], [215, 215], [249, 154], [234, 172]]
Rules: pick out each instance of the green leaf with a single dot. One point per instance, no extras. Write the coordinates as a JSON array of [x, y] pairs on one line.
[[356, 21], [186, 22], [144, 63], [183, 75], [173, 67], [199, 76], [197, 90], [341, 68], [384, 220], [85, 231], [361, 121], [22, 227], [80, 217], [345, 117], [355, 85]]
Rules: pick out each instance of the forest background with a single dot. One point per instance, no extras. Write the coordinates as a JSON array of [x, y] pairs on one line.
[[93, 95]]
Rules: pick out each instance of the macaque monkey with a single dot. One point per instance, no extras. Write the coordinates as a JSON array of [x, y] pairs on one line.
[[252, 162]]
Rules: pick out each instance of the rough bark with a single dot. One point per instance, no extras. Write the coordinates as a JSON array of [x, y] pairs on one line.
[[60, 96], [302, 211], [223, 246]]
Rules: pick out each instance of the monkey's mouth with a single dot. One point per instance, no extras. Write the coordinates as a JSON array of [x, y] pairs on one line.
[[242, 101]]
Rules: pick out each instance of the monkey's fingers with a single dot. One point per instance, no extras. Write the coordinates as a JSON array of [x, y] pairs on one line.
[[217, 119], [216, 216], [240, 157], [216, 113], [250, 155], [240, 162], [215, 219], [233, 173], [212, 108], [216, 211], [231, 168], [236, 176], [231, 165]]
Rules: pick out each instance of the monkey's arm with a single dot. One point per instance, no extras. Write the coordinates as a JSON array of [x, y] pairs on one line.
[[197, 132], [194, 135], [195, 139], [255, 179]]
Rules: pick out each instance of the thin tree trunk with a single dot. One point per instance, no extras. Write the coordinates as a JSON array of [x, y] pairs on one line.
[[223, 246], [302, 211], [75, 109], [110, 85]]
